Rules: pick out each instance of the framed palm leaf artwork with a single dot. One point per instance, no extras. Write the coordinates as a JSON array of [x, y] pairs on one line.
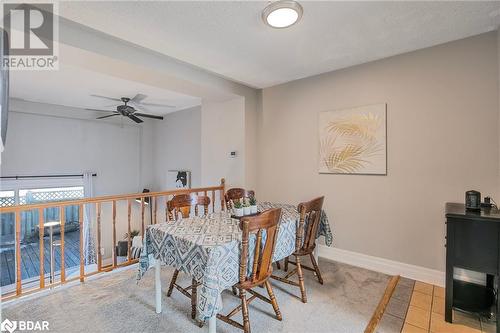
[[353, 141]]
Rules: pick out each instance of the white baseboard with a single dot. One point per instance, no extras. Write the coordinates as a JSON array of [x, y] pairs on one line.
[[382, 265], [392, 267]]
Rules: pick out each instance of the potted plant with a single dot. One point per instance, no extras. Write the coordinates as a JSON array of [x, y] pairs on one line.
[[238, 208], [133, 233], [246, 208], [253, 205], [122, 247]]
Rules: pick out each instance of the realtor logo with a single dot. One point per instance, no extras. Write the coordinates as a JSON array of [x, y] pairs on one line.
[[31, 29], [8, 325]]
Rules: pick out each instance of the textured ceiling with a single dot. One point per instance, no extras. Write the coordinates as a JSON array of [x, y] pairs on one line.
[[230, 39]]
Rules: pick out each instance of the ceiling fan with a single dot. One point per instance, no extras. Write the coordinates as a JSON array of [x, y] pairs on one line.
[[129, 111]]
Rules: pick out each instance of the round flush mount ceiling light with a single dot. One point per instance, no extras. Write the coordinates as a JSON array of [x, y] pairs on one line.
[[282, 14]]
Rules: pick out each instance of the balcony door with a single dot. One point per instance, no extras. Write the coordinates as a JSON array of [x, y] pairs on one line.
[[34, 191]]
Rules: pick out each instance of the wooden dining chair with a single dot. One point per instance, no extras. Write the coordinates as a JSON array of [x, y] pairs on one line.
[[305, 243], [182, 204], [236, 194], [265, 225]]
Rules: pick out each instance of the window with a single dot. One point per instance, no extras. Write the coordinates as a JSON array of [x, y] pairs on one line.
[[24, 194]]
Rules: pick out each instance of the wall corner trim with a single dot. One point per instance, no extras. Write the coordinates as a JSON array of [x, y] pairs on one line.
[[382, 265]]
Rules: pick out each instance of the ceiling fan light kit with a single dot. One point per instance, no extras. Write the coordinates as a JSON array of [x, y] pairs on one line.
[[128, 111]]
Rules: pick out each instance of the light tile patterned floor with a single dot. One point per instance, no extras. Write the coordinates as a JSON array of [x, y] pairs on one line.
[[426, 314]]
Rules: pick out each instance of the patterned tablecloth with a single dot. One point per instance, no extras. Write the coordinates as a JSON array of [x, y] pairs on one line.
[[208, 248]]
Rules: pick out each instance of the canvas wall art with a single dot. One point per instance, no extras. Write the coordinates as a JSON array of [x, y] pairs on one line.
[[178, 179], [353, 141]]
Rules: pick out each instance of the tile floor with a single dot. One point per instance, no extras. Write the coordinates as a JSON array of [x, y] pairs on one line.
[[426, 314]]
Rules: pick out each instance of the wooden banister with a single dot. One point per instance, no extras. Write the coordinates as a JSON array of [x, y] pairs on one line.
[[108, 198], [150, 198]]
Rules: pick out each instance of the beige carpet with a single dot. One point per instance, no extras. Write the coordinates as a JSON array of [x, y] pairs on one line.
[[114, 303]]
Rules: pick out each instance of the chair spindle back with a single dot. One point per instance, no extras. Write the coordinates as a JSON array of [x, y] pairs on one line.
[[306, 236], [237, 194], [182, 204], [268, 222]]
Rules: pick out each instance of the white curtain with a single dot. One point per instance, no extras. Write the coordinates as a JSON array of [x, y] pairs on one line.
[[88, 234]]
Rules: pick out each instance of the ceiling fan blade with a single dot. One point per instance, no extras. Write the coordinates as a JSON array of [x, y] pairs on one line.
[[148, 115], [105, 97], [100, 110], [140, 107], [110, 115], [138, 98], [134, 118]]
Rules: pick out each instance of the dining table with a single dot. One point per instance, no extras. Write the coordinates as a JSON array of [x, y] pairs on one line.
[[208, 249]]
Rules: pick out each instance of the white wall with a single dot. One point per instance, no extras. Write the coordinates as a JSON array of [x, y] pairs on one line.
[[443, 139], [177, 146], [44, 145], [223, 131], [147, 158], [40, 145]]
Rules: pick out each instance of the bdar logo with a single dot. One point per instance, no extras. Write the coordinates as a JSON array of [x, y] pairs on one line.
[[8, 325]]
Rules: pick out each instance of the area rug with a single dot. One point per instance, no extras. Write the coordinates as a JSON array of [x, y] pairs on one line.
[[115, 303]]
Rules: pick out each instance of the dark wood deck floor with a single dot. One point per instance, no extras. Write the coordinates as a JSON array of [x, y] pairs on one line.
[[30, 258]]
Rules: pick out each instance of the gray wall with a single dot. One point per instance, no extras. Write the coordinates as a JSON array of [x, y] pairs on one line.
[[177, 145], [223, 130], [443, 139]]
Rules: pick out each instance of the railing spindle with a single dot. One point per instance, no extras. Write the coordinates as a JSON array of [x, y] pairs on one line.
[[18, 253], [82, 263], [167, 217], [114, 234], [129, 229], [156, 208], [142, 217], [63, 221], [41, 231], [213, 201], [223, 193], [99, 253]]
